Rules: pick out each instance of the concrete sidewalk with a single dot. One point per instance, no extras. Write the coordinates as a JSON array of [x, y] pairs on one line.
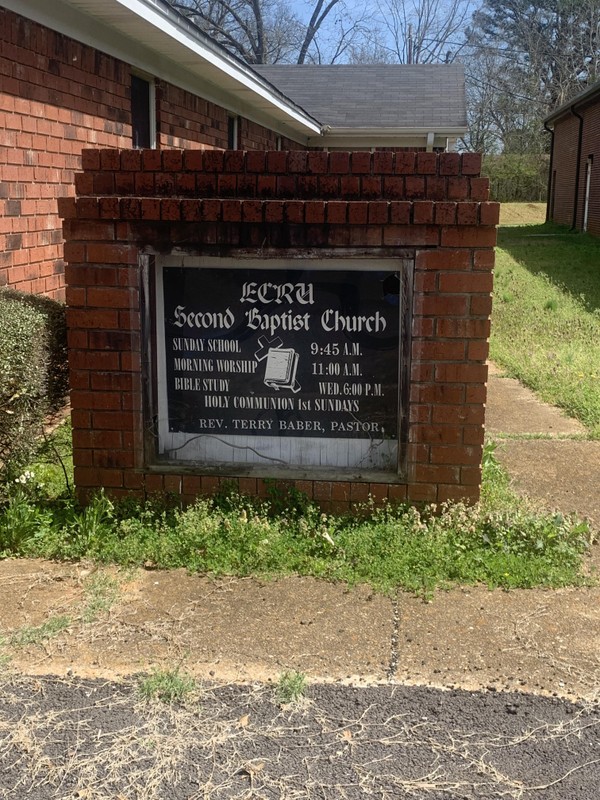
[[557, 469]]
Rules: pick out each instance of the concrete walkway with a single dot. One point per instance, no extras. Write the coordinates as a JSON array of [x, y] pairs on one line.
[[541, 450]]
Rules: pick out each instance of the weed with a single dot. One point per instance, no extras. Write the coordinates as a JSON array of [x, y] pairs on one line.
[[101, 593], [168, 686], [40, 633], [290, 687]]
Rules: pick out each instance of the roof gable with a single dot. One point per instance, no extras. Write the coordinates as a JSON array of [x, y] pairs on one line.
[[371, 96]]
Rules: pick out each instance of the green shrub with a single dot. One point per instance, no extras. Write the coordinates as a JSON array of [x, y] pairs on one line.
[[517, 178], [33, 372]]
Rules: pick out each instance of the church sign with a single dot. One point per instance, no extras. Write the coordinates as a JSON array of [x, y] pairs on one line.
[[285, 364]]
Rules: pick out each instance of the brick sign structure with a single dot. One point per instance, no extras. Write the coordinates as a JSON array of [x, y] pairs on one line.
[[316, 318]]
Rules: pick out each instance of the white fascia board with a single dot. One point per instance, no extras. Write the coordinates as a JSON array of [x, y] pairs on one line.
[[377, 137], [270, 110]]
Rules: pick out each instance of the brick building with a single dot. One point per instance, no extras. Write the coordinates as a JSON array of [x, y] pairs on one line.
[[574, 196], [108, 73]]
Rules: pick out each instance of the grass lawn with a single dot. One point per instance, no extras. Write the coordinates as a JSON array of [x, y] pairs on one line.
[[546, 316]]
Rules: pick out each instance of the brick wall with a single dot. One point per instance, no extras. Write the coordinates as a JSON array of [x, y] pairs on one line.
[[58, 96], [566, 139], [432, 206], [590, 146]]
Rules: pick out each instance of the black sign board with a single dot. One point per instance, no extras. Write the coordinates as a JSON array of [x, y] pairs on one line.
[[282, 352]]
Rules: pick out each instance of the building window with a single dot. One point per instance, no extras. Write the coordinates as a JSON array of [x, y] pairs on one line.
[[233, 133], [143, 112]]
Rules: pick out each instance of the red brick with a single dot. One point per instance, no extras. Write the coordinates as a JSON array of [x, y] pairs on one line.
[[425, 281], [466, 282], [150, 208], [252, 211], [422, 212], [490, 213], [371, 187], [461, 373], [191, 210], [422, 493], [470, 163], [317, 162], [340, 490], [90, 159], [349, 187], [277, 161], [322, 490], [436, 473], [314, 211], [445, 213], [84, 184], [481, 305], [339, 162], [468, 236], [470, 476], [449, 164], [383, 162], [232, 210], [427, 163], [478, 351], [213, 160], [393, 188], [378, 213], [449, 454], [234, 161], [400, 212], [360, 163], [294, 211], [193, 160], [212, 210], [458, 189], [436, 434], [467, 213], [336, 211], [415, 187], [358, 212], [274, 210], [455, 414], [480, 189], [453, 350], [397, 493], [435, 187], [405, 235], [458, 493], [297, 161], [359, 492], [463, 328], [151, 160], [432, 305], [404, 163], [255, 161]]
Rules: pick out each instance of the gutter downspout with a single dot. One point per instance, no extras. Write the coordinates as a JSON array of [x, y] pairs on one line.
[[578, 166], [549, 190]]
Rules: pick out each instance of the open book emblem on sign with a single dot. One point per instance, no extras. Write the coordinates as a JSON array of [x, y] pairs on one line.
[[281, 366]]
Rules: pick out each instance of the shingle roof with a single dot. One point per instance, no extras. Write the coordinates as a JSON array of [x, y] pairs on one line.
[[375, 95]]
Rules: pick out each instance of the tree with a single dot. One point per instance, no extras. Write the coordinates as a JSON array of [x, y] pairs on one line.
[[424, 31], [524, 59], [268, 32]]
